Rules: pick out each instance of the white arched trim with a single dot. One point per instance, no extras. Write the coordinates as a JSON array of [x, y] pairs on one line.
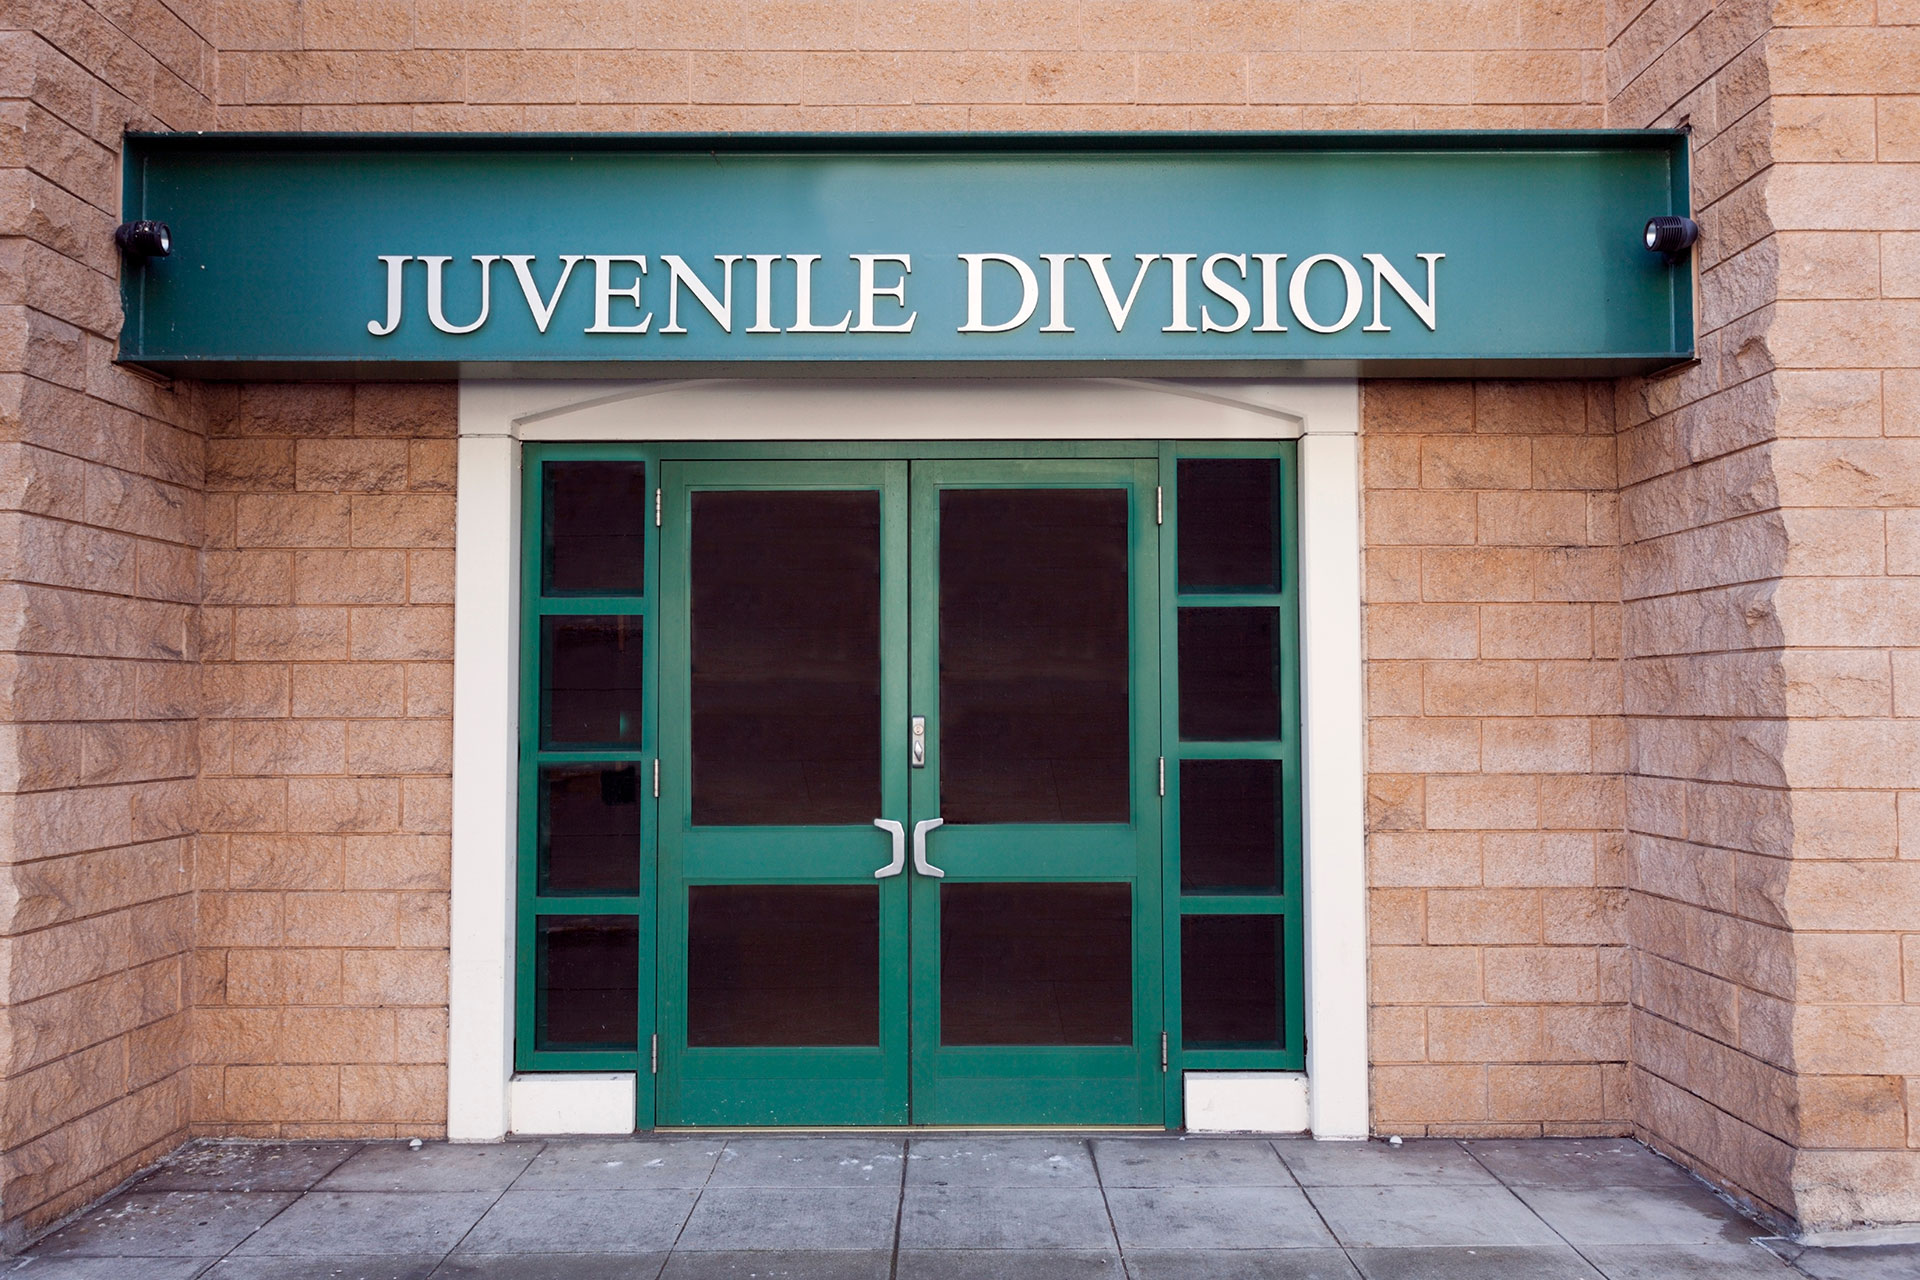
[[483, 1100]]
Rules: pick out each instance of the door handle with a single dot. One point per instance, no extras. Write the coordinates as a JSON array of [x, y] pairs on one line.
[[899, 834], [920, 862]]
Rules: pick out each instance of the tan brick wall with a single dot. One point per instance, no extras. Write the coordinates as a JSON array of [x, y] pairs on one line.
[[1687, 733], [100, 511], [1495, 750], [1767, 517], [1702, 549], [326, 745], [909, 64], [1843, 197]]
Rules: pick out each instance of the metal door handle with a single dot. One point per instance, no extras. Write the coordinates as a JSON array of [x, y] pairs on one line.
[[899, 834], [920, 862]]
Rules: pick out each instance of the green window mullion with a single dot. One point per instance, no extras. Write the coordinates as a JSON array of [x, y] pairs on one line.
[[531, 905], [1237, 904], [1286, 904]]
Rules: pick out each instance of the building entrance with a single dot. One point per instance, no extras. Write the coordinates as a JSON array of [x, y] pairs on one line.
[[899, 743], [910, 864]]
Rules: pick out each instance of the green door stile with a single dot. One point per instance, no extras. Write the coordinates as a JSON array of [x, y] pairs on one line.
[[1040, 1084], [786, 1086]]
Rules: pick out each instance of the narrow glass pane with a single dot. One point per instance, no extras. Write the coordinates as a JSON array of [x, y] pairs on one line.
[[595, 540], [587, 992], [783, 964], [1036, 964], [1229, 524], [786, 658], [589, 829], [1033, 655], [1230, 824], [1230, 990], [590, 680], [1229, 675]]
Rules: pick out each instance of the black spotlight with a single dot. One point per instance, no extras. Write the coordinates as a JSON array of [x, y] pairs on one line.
[[143, 239], [1671, 236]]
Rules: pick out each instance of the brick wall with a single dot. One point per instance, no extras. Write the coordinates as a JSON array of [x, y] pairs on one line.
[[1495, 749], [326, 746], [100, 512], [1731, 666], [1843, 197], [1703, 548], [909, 64], [1767, 515]]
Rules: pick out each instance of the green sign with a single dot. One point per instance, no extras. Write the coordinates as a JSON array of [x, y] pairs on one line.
[[1234, 254]]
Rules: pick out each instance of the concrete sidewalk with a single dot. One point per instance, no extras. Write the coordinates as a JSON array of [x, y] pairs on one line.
[[925, 1207]]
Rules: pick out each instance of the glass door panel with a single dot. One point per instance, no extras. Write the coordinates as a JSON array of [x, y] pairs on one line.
[[1035, 917], [783, 956]]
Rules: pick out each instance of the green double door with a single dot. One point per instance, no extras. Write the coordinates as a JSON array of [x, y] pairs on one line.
[[909, 793]]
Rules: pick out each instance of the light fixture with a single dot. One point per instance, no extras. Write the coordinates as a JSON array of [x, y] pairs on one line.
[[144, 239], [1671, 236]]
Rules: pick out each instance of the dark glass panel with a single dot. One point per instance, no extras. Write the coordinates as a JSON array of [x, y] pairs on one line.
[[590, 680], [1229, 524], [1033, 655], [1230, 814], [786, 657], [595, 540], [587, 992], [589, 829], [1230, 989], [783, 964], [1036, 964], [1229, 674]]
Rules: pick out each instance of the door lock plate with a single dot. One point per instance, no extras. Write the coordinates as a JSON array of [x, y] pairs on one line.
[[919, 742]]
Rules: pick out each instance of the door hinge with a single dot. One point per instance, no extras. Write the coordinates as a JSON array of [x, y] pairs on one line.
[[656, 1053], [1163, 776], [656, 777], [1159, 504], [658, 502], [1163, 1051]]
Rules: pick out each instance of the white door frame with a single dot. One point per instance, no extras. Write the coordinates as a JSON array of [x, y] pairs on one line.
[[484, 1102]]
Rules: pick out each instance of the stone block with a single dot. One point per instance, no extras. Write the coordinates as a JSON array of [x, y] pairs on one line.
[[381, 977], [1536, 745], [1528, 1092], [269, 1094], [1535, 631], [430, 689], [1537, 859], [1424, 745], [1415, 406], [1400, 517], [1481, 1035], [1457, 917], [1474, 802], [1473, 574], [1480, 688], [1476, 462], [1423, 631], [1426, 975], [341, 804], [1428, 1093], [1422, 859], [347, 689], [350, 577], [411, 632], [1562, 975], [412, 862]]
